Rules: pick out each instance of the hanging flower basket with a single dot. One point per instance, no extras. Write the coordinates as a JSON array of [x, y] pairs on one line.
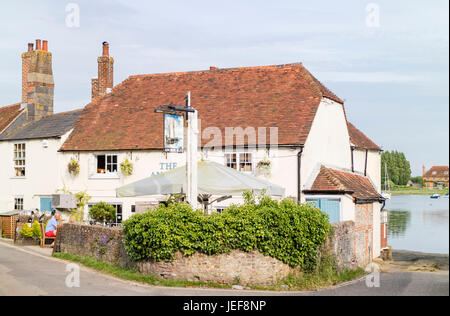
[[126, 167], [264, 167], [74, 167]]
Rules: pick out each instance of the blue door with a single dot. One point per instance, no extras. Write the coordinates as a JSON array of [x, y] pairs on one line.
[[331, 207], [46, 204]]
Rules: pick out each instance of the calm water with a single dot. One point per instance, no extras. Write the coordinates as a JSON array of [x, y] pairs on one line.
[[418, 223]]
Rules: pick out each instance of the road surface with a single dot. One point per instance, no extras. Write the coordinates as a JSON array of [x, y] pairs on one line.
[[25, 272]]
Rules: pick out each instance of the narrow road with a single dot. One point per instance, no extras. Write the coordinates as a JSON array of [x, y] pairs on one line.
[[23, 272]]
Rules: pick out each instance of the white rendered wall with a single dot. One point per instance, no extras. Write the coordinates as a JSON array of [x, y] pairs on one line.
[[328, 142], [41, 173], [373, 165]]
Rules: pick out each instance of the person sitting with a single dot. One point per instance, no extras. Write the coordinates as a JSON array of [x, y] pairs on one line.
[[52, 226]]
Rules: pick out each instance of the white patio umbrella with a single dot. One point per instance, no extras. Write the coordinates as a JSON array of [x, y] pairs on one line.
[[213, 178]]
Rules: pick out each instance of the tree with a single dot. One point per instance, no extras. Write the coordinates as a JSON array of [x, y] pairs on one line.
[[398, 167], [103, 212], [417, 179]]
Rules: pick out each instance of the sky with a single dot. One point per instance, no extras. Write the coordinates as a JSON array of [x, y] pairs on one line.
[[387, 59]]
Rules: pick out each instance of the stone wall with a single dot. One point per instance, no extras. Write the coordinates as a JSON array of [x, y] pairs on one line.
[[106, 244], [341, 244], [249, 268], [101, 243]]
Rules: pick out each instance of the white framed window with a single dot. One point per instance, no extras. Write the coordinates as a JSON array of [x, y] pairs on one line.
[[107, 163], [18, 203], [240, 161], [19, 159]]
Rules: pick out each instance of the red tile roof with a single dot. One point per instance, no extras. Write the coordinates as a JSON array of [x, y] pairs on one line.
[[359, 139], [332, 180], [439, 172], [8, 114], [284, 96]]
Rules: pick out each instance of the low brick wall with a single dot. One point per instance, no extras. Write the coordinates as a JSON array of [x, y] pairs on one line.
[[106, 244], [101, 243], [249, 268]]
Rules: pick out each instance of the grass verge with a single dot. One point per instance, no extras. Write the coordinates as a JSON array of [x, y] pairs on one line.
[[325, 276], [403, 190], [131, 275]]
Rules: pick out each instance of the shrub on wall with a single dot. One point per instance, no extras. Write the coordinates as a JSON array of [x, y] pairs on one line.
[[284, 230]]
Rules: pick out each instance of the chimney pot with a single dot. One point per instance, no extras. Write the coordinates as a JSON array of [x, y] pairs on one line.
[[38, 44], [30, 47], [105, 49], [45, 46]]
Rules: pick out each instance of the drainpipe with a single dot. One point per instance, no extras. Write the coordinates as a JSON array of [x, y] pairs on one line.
[[353, 163], [299, 175], [365, 167]]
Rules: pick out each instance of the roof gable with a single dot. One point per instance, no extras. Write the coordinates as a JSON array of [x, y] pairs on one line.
[[437, 171], [285, 96], [359, 139], [333, 180]]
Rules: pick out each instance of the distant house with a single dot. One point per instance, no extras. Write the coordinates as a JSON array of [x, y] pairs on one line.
[[436, 177]]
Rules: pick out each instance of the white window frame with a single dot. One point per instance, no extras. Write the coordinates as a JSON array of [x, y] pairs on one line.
[[16, 198], [17, 153], [237, 161], [107, 164]]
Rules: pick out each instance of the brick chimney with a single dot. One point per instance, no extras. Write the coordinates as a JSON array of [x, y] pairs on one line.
[[423, 171], [105, 80], [37, 81]]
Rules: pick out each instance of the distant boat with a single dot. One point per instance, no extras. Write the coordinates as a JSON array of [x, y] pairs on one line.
[[435, 196], [387, 189]]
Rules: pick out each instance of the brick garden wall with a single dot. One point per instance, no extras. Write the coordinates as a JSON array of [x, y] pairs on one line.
[[363, 234]]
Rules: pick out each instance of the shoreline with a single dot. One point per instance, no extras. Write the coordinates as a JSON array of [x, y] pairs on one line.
[[415, 261]]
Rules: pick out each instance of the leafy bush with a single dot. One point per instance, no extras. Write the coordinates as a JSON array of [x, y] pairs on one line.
[[26, 231], [103, 212], [36, 229], [284, 230]]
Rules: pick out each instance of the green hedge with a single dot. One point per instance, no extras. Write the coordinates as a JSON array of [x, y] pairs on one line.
[[284, 230]]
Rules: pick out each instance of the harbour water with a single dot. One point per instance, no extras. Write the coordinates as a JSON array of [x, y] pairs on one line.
[[418, 223]]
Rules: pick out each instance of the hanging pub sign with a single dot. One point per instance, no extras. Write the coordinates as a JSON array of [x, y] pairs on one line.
[[173, 133]]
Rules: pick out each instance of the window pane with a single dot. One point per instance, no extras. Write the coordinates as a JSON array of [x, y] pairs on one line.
[[101, 166]]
